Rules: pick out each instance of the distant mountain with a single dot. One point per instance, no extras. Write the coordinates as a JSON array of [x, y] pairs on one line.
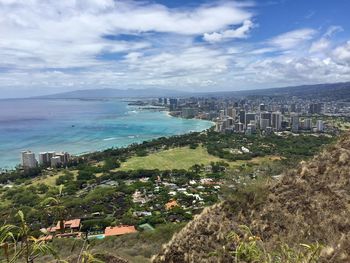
[[116, 93], [336, 91]]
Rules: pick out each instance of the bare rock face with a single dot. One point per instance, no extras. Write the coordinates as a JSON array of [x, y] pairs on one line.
[[310, 204]]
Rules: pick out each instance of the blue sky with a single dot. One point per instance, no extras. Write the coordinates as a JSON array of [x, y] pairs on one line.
[[49, 46]]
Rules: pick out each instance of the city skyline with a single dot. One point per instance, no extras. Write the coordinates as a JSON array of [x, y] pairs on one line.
[[49, 47]]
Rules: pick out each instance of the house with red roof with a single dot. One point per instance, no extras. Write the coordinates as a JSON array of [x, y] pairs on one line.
[[171, 204], [69, 226], [119, 230]]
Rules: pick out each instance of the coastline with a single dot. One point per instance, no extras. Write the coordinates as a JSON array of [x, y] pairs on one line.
[[117, 142], [168, 113]]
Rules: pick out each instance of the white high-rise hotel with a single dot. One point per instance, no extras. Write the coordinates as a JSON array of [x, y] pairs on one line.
[[28, 159]]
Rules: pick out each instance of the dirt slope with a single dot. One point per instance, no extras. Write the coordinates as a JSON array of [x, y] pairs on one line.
[[307, 205]]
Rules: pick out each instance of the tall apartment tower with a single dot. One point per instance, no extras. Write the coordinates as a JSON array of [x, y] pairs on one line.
[[276, 121], [231, 112], [44, 158], [262, 107], [250, 117], [320, 125], [242, 116], [265, 116], [294, 123], [173, 104], [28, 159]]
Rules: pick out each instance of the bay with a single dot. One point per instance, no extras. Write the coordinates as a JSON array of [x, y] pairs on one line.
[[80, 126]]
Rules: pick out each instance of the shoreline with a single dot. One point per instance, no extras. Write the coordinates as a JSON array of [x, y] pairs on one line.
[[168, 113], [84, 153]]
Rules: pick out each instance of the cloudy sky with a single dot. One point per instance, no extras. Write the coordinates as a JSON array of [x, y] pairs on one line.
[[49, 46]]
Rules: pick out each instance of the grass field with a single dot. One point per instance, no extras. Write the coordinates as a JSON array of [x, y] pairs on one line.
[[181, 158], [176, 158], [49, 178]]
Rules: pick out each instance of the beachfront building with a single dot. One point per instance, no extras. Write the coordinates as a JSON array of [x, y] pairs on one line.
[[28, 159], [44, 159], [56, 161], [51, 158], [64, 157], [188, 112]]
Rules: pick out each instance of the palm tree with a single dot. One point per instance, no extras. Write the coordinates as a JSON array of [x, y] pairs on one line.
[[24, 245], [7, 239], [56, 204]]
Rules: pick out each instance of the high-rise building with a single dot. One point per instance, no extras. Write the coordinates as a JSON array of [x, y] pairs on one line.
[[319, 125], [315, 108], [308, 124], [262, 107], [239, 127], [294, 122], [242, 116], [64, 157], [165, 100], [264, 123], [173, 104], [231, 112], [229, 122], [56, 161], [293, 107], [265, 116], [222, 114], [188, 112], [251, 128], [44, 158], [249, 117], [276, 121], [28, 159]]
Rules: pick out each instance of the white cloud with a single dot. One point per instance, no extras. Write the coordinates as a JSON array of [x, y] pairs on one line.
[[51, 46], [332, 30], [293, 38], [320, 45], [342, 53], [324, 43], [240, 32], [71, 33]]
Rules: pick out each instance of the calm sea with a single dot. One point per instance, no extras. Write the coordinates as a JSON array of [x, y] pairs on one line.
[[80, 126]]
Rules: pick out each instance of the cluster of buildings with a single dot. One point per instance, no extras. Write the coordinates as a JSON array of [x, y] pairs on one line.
[[238, 120], [250, 115], [45, 159], [190, 197], [72, 229]]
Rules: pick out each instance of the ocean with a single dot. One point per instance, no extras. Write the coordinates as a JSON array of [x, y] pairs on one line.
[[80, 126]]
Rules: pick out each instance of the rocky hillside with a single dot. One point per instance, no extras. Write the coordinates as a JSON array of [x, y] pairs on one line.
[[307, 205]]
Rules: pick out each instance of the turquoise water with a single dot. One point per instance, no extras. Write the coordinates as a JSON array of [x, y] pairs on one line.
[[80, 126], [102, 236]]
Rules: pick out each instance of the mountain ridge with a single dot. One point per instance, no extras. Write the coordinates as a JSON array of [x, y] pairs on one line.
[[340, 89]]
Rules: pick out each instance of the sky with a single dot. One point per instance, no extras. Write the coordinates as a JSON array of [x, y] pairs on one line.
[[51, 46]]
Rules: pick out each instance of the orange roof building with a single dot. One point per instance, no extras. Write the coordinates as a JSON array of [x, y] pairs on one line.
[[73, 224], [119, 230], [171, 204]]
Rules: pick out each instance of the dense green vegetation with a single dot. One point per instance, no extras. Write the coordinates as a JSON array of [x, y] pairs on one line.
[[99, 187]]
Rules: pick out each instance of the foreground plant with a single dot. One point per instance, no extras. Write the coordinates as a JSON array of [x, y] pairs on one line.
[[250, 248], [18, 245]]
